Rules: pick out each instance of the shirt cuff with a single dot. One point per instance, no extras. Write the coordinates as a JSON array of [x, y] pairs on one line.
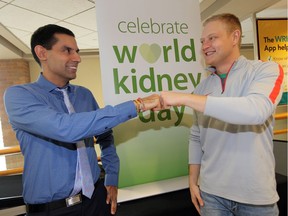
[[128, 108], [111, 180]]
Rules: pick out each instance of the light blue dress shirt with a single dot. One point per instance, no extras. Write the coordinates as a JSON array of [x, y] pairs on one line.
[[47, 135]]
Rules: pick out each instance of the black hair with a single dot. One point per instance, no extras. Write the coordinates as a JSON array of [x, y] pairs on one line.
[[44, 36]]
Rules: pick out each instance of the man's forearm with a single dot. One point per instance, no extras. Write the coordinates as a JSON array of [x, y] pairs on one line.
[[194, 170]]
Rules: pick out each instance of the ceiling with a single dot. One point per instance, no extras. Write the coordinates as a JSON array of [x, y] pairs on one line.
[[20, 18]]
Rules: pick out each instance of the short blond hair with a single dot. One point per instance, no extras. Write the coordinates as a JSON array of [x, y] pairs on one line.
[[232, 22]]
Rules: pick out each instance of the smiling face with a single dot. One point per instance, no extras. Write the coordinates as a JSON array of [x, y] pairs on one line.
[[220, 46], [61, 61]]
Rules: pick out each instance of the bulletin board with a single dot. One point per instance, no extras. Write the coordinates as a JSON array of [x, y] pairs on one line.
[[272, 39]]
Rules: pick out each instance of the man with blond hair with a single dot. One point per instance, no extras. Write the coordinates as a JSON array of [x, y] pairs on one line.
[[231, 161]]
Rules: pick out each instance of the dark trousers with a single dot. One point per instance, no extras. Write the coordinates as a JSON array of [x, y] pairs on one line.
[[95, 206]]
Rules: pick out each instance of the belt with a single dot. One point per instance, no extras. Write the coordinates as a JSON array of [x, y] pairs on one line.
[[63, 203]]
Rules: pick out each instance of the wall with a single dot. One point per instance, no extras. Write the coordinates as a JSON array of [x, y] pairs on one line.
[[12, 72], [248, 52]]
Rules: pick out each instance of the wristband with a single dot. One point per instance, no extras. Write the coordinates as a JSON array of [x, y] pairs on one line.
[[139, 105]]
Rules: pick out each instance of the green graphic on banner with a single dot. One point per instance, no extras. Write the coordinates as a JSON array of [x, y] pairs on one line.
[[150, 53], [145, 50]]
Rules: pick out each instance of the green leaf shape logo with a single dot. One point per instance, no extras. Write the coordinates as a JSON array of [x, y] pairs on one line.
[[150, 53]]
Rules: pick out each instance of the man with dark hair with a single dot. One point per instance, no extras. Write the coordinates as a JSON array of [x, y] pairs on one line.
[[45, 37], [231, 161], [55, 123]]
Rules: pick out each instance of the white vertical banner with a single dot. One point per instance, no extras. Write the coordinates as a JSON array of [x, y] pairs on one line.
[[147, 46]]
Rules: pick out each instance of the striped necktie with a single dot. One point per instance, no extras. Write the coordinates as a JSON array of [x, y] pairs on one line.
[[83, 179]]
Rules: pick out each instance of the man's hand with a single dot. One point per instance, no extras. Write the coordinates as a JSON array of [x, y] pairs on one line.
[[148, 103], [194, 171], [112, 192], [169, 98], [196, 197]]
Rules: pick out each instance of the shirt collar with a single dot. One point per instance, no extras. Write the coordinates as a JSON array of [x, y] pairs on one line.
[[212, 69], [48, 86]]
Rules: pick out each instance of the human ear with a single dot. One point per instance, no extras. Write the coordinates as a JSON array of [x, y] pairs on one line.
[[41, 52], [236, 36]]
